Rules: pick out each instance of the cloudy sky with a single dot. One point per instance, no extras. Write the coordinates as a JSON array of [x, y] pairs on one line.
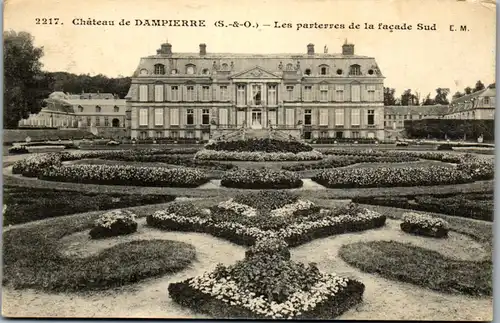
[[418, 60]]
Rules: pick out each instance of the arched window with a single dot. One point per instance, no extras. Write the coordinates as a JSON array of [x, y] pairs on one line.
[[143, 72], [116, 109], [190, 69], [323, 70], [115, 123], [355, 70], [80, 108], [204, 71], [160, 69], [97, 109], [289, 67], [307, 71], [224, 67]]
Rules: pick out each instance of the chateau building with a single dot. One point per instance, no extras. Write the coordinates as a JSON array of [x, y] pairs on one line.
[[479, 105], [317, 95], [396, 115]]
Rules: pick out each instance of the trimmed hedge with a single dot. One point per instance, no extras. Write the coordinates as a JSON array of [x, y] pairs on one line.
[[260, 144], [421, 231], [343, 161], [261, 179]]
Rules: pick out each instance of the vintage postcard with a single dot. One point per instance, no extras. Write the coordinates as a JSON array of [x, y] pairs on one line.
[[287, 159]]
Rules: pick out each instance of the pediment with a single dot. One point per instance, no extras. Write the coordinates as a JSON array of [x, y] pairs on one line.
[[255, 72]]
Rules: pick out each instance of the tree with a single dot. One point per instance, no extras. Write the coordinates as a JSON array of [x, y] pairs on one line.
[[457, 95], [408, 98], [468, 90], [479, 86], [25, 85], [441, 96], [389, 98], [428, 100]]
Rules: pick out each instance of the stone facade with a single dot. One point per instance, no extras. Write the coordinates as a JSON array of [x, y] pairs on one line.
[[479, 105], [189, 95]]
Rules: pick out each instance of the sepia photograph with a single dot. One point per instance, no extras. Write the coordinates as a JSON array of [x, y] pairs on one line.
[[287, 159]]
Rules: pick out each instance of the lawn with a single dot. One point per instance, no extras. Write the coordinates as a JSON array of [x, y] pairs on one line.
[[419, 266], [26, 204]]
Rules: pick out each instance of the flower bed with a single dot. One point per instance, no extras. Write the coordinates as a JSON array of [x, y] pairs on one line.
[[261, 179], [269, 246], [260, 145], [479, 169], [33, 165], [474, 206], [125, 175], [341, 161], [114, 223], [206, 154], [295, 229], [268, 287], [389, 177], [425, 225], [181, 160]]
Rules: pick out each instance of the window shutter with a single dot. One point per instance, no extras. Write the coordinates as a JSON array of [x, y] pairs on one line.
[[184, 92], [339, 117], [158, 93], [159, 117], [272, 117], [223, 116], [355, 93], [174, 117], [290, 117], [143, 93], [355, 117], [143, 117], [240, 115], [323, 117]]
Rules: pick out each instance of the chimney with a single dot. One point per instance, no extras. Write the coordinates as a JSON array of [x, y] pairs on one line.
[[347, 49], [310, 49], [166, 49], [203, 49]]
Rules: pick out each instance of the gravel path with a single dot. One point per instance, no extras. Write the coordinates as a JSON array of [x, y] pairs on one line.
[[383, 299]]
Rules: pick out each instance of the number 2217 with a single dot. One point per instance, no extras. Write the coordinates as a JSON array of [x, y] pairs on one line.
[[47, 21]]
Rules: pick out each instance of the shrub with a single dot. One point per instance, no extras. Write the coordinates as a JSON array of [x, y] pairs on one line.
[[18, 150], [423, 224], [114, 223], [125, 175], [388, 177], [207, 154], [261, 179], [267, 286], [261, 145]]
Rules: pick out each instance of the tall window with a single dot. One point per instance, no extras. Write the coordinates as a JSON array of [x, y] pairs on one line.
[[205, 91], [223, 93], [158, 92], [174, 117], [289, 92], [143, 93], [175, 93], [271, 116], [355, 117], [323, 117], [307, 117], [355, 134], [106, 122], [159, 134], [323, 70], [271, 95], [339, 117], [290, 117], [486, 100], [307, 93], [190, 116], [116, 109], [89, 121], [205, 116], [371, 117], [97, 109], [143, 117], [190, 93], [159, 117], [355, 93], [240, 96], [355, 70], [80, 108], [223, 120], [339, 93], [323, 93], [371, 93], [256, 94], [159, 69]]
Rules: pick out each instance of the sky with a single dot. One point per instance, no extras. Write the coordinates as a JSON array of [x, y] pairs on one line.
[[421, 60]]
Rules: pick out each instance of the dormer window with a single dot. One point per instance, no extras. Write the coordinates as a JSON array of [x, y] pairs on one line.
[[224, 67], [323, 70], [204, 71], [116, 109], [97, 109], [355, 70], [289, 67], [143, 72], [190, 69], [486, 100], [307, 71], [159, 69], [80, 108]]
